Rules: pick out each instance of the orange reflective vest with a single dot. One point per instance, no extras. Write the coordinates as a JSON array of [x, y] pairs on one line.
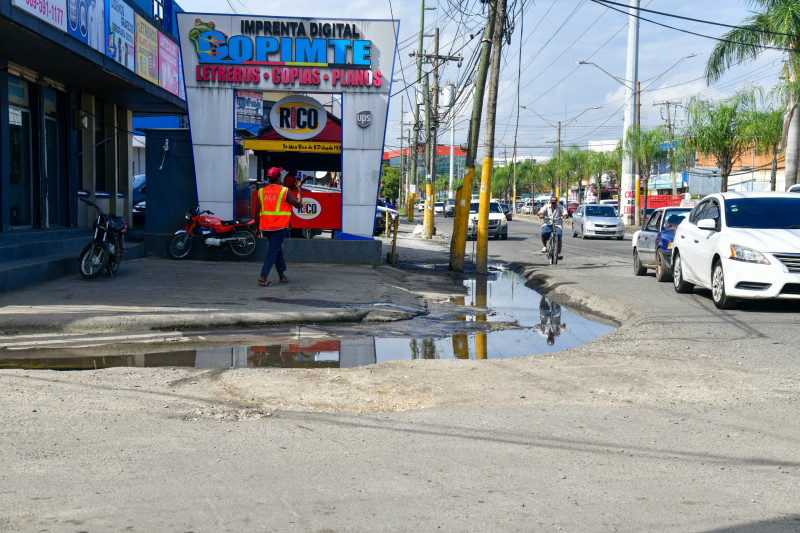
[[275, 212]]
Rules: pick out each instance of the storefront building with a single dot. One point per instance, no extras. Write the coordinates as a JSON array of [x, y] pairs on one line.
[[273, 75], [72, 75]]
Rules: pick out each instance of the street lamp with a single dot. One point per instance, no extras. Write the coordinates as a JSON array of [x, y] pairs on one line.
[[635, 89], [559, 126]]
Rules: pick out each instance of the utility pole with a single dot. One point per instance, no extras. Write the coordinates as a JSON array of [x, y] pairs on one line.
[[669, 148], [464, 194], [427, 218], [435, 60], [401, 193], [410, 208], [629, 178], [481, 261]]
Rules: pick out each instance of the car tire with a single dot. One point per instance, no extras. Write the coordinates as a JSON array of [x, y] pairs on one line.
[[638, 268], [583, 233], [504, 236], [620, 237], [661, 273], [680, 285], [718, 295], [574, 233]]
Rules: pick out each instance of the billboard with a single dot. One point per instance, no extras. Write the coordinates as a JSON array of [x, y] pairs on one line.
[[121, 31], [52, 12], [146, 50], [168, 64]]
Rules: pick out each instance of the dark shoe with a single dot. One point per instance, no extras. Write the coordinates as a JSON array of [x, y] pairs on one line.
[[560, 257], [284, 279]]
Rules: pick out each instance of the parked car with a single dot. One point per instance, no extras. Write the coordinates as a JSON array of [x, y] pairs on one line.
[[572, 207], [614, 202], [138, 198], [498, 225], [595, 220], [794, 188], [506, 211], [652, 245], [380, 218], [740, 245], [438, 208], [450, 207]]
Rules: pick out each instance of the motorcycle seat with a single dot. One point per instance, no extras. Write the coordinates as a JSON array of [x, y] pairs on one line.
[[237, 221]]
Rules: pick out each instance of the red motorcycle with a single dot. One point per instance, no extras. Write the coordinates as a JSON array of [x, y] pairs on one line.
[[238, 234]]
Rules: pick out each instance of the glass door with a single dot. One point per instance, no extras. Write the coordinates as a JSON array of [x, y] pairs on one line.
[[21, 184]]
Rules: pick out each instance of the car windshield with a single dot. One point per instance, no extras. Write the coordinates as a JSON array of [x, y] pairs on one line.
[[493, 207], [763, 213], [138, 181], [600, 211], [673, 218]]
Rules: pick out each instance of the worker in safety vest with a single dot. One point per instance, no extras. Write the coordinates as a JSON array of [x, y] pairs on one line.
[[274, 213]]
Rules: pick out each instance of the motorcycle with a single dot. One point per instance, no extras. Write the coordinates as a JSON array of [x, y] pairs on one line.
[[107, 247], [237, 234]]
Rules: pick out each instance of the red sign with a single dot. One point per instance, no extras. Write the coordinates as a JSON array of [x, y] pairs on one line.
[[321, 210]]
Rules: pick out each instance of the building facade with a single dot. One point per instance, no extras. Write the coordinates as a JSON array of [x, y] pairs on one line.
[[72, 76]]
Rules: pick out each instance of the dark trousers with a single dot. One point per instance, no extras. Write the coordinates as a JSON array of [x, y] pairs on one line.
[[274, 252]]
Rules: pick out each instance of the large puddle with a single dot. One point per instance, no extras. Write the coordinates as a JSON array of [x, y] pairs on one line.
[[518, 321]]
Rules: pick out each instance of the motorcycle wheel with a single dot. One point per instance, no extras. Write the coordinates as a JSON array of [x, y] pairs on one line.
[[93, 261], [179, 246], [245, 243]]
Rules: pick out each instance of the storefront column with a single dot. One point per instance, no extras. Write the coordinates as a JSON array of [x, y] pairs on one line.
[[73, 132], [86, 177], [5, 172], [125, 163]]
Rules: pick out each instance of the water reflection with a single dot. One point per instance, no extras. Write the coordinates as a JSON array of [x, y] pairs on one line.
[[529, 324]]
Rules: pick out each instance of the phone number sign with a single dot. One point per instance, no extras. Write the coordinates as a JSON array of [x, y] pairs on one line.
[[50, 11]]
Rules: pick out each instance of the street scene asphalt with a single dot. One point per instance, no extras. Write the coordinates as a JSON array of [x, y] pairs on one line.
[[682, 419]]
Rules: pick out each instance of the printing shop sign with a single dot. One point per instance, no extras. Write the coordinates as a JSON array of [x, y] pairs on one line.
[[285, 54]]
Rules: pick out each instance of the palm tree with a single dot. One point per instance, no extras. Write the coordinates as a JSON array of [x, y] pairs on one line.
[[719, 128], [597, 164], [645, 146], [775, 24], [765, 128]]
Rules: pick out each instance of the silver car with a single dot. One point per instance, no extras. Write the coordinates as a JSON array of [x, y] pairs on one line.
[[596, 220]]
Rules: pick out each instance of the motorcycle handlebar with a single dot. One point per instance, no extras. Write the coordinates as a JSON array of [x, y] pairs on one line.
[[91, 203]]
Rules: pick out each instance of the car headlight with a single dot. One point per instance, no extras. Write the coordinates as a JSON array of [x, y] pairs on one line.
[[748, 255], [589, 224]]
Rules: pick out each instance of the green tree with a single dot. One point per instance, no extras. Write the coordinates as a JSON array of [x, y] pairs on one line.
[[390, 182], [719, 128], [775, 23], [645, 146], [765, 129], [597, 163]]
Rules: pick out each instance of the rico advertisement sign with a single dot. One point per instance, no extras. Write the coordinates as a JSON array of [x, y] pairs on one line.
[[298, 117], [321, 210]]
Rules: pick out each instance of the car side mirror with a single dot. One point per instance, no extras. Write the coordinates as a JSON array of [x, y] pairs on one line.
[[707, 223]]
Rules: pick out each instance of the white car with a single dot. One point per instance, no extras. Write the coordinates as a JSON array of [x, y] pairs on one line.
[[794, 188], [740, 245], [498, 224], [595, 220], [438, 208]]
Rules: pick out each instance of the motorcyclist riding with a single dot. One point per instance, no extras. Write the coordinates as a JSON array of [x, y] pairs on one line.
[[552, 218]]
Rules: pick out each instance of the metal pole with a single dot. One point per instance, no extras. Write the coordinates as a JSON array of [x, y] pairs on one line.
[[415, 151]]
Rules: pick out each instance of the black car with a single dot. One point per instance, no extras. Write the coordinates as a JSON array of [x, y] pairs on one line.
[[506, 210]]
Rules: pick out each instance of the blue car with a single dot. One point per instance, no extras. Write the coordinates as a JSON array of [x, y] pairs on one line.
[[652, 245]]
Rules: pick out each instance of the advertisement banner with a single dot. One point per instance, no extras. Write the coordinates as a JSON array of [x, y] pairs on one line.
[[86, 22], [146, 50], [168, 64], [121, 28], [50, 11], [181, 83], [249, 110]]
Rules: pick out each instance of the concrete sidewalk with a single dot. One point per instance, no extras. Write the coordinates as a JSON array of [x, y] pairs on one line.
[[156, 293]]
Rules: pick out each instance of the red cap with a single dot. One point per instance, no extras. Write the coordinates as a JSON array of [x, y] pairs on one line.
[[274, 172]]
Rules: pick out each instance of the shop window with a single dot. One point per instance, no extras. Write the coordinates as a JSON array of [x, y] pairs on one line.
[[19, 156]]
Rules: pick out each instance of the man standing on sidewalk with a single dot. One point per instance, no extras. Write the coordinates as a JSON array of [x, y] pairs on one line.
[[274, 216]]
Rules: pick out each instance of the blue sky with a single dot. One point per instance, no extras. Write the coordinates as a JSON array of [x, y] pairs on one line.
[[554, 34]]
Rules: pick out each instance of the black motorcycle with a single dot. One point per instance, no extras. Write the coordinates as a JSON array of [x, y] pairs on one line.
[[107, 246]]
